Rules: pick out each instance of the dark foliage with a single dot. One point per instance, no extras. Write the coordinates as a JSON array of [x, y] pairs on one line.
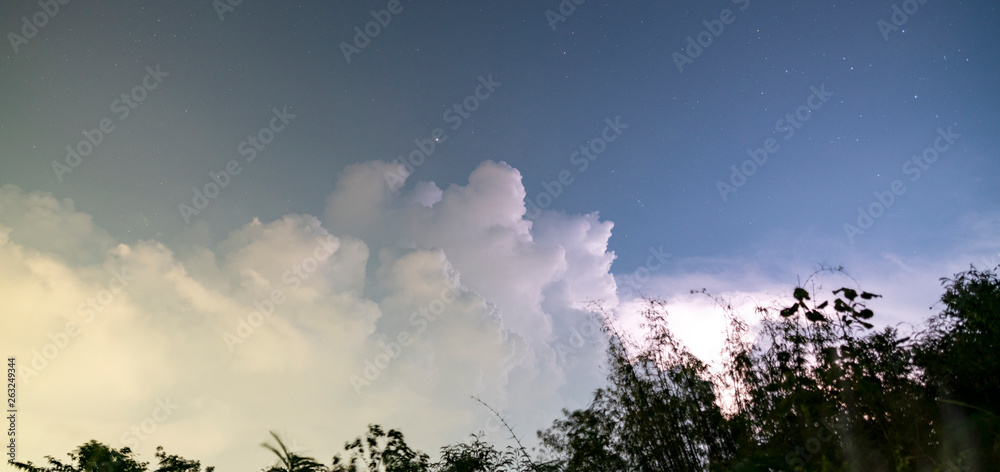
[[815, 388], [818, 389], [96, 457]]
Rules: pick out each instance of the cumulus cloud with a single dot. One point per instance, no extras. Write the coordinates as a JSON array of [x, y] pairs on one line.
[[51, 225], [393, 307]]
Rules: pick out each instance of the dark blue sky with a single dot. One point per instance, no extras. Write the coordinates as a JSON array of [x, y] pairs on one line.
[[658, 183]]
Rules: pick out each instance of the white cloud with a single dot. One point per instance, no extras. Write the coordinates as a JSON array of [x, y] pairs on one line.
[[51, 225], [265, 329]]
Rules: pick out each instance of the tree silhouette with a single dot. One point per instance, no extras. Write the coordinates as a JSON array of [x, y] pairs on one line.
[[380, 451], [815, 387], [818, 389], [97, 457], [959, 357], [289, 461]]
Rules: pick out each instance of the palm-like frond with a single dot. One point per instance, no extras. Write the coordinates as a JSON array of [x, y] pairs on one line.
[[289, 461]]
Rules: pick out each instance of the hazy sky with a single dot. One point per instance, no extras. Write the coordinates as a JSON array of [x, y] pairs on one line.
[[469, 174]]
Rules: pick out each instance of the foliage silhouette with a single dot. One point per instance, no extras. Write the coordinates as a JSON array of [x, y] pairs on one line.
[[289, 461], [814, 387], [380, 451], [817, 389], [97, 457]]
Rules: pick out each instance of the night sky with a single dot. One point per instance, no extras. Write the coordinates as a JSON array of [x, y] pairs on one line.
[[555, 153]]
